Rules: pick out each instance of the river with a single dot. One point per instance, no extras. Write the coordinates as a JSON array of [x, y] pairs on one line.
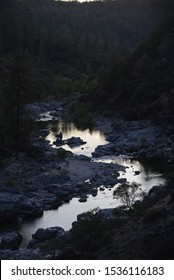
[[67, 213]]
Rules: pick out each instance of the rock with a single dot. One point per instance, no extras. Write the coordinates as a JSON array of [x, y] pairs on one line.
[[83, 157], [52, 177], [102, 150], [59, 142], [137, 203], [107, 213], [122, 180], [156, 192], [83, 199], [94, 192], [48, 233], [31, 208], [54, 114], [75, 141], [43, 132], [11, 241], [9, 206], [34, 110], [21, 254], [137, 172]]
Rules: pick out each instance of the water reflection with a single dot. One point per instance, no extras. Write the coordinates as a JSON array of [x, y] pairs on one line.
[[68, 212], [92, 137], [148, 177]]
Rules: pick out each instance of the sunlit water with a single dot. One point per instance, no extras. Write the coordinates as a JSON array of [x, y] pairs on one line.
[[92, 137]]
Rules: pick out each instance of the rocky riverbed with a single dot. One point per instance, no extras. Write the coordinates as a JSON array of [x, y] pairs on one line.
[[46, 177]]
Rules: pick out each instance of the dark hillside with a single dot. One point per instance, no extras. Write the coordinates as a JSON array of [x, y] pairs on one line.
[[65, 47], [143, 85]]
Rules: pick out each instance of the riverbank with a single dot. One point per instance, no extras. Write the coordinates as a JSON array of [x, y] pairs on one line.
[[47, 177]]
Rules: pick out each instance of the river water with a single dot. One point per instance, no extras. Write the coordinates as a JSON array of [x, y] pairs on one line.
[[67, 213]]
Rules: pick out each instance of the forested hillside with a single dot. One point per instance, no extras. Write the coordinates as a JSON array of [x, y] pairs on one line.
[[60, 48], [142, 85]]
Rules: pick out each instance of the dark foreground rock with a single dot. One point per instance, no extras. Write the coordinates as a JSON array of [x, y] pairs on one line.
[[21, 254], [11, 241], [9, 206], [139, 139], [45, 234]]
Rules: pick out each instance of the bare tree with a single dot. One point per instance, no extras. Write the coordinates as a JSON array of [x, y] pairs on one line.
[[128, 193]]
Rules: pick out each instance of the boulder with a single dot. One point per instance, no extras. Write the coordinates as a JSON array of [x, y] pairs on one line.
[[11, 241], [102, 150], [9, 206], [21, 254], [59, 142], [31, 208], [83, 199], [48, 233], [107, 214], [75, 141], [122, 180], [156, 192], [34, 110], [43, 132], [137, 172]]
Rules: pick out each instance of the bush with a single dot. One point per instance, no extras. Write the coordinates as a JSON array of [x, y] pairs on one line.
[[128, 194], [152, 215], [89, 234], [81, 115]]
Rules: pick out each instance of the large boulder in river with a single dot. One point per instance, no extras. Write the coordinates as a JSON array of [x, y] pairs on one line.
[[11, 241], [75, 141]]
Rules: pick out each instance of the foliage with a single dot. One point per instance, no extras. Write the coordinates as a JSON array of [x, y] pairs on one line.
[[72, 47], [66, 87], [62, 86], [140, 86], [128, 193], [151, 215], [50, 246], [81, 115], [89, 233], [16, 123]]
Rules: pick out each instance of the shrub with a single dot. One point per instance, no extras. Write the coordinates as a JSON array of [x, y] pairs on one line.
[[89, 234], [151, 215], [128, 193], [82, 115]]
